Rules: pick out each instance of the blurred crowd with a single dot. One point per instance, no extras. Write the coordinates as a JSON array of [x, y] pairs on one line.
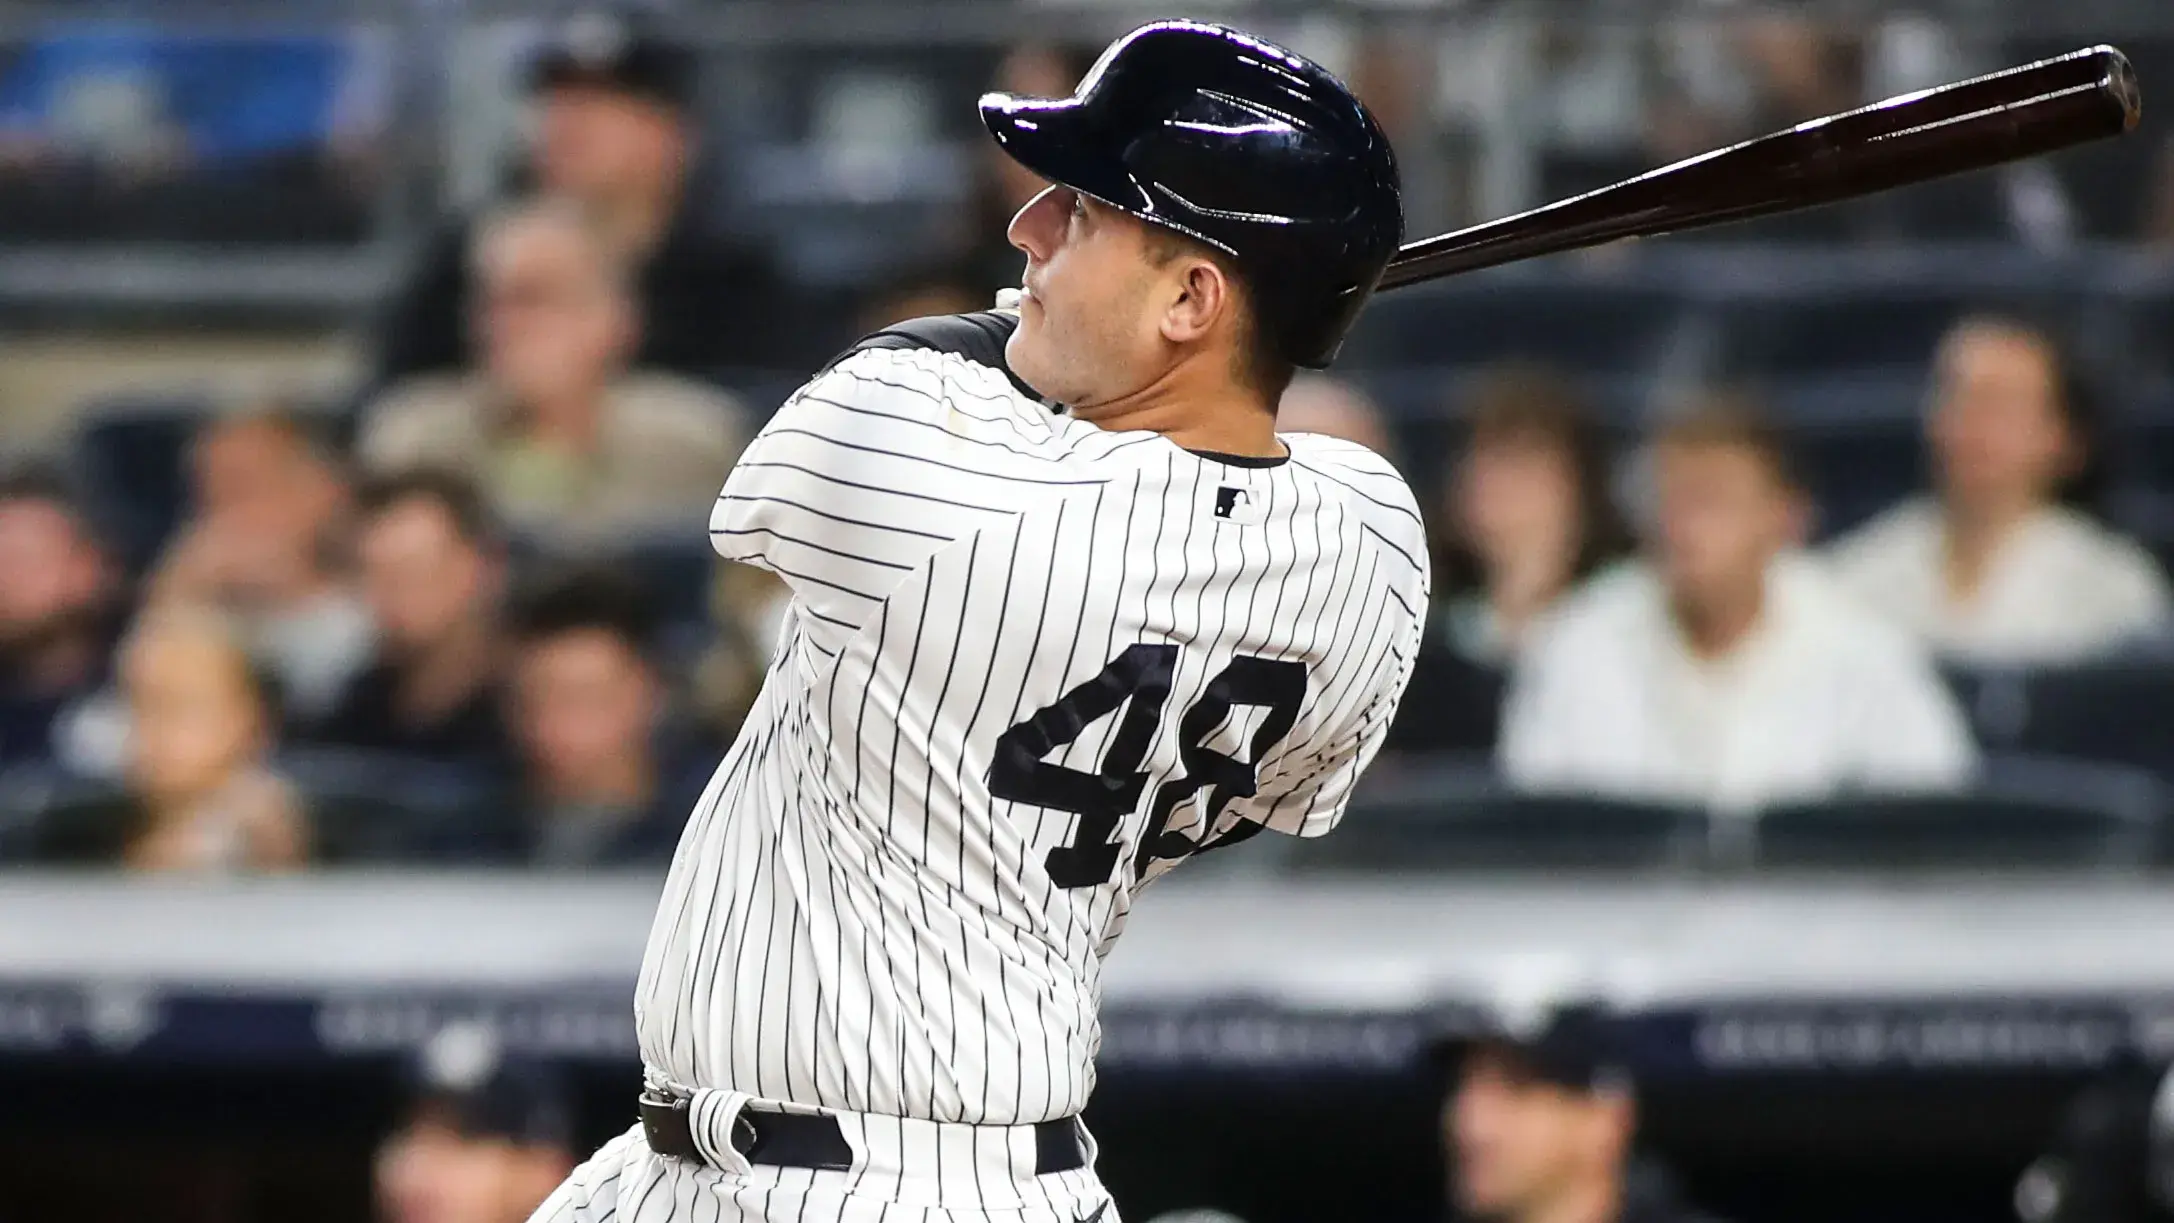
[[469, 617], [136, 130], [1661, 623]]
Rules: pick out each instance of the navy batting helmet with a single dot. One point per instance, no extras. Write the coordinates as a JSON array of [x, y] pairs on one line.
[[1237, 143]]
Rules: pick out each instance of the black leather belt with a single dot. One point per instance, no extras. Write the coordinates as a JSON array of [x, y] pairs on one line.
[[803, 1140]]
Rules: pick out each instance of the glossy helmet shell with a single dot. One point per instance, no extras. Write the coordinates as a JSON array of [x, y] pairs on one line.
[[1237, 143]]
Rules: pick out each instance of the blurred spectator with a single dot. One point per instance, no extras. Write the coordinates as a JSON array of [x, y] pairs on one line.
[[485, 1140], [198, 794], [58, 611], [604, 778], [2004, 563], [1318, 403], [1726, 669], [267, 544], [1539, 1127], [433, 569], [614, 132], [1527, 513], [565, 440]]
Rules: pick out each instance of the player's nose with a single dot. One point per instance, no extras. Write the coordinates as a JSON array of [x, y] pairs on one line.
[[1034, 226]]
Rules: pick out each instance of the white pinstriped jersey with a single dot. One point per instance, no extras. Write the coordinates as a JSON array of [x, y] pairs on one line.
[[1028, 666]]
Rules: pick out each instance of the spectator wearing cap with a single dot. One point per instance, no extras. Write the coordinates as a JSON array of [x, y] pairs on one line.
[[614, 131], [433, 571], [1726, 669], [485, 1138], [198, 793], [605, 777], [1539, 1126], [266, 543], [565, 440], [58, 610], [2005, 562]]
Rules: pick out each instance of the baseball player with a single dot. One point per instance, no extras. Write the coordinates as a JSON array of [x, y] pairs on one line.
[[1035, 657]]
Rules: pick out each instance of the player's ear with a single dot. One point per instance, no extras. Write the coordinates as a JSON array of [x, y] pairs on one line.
[[1204, 296]]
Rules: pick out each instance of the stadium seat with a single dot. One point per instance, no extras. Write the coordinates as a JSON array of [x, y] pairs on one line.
[[368, 806], [1452, 705], [678, 569], [2026, 813], [26, 790], [2146, 514], [1595, 328], [132, 457], [2116, 711], [1859, 447], [1456, 815], [1885, 332], [2139, 443]]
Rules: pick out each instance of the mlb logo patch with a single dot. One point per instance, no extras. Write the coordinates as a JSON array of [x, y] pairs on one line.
[[1237, 503]]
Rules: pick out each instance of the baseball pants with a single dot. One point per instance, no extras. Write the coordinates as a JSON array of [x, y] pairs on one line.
[[923, 1171]]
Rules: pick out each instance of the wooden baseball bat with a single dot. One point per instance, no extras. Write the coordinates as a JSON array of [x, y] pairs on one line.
[[1970, 125]]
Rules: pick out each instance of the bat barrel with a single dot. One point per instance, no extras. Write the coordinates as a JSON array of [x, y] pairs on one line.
[[2022, 112]]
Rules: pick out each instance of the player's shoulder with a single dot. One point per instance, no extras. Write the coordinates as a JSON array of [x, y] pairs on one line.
[[1366, 483], [1347, 457], [945, 377], [940, 347], [946, 371]]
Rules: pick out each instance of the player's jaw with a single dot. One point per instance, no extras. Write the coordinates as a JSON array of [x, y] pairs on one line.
[[1084, 336]]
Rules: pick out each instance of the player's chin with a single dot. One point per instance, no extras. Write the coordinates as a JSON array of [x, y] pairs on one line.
[[1023, 351]]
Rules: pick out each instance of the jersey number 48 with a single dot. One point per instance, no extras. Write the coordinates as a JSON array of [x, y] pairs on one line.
[[1139, 679]]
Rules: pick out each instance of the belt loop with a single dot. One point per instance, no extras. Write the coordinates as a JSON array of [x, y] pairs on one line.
[[713, 1116]]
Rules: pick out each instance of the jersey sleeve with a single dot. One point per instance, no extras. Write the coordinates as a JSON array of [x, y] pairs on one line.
[[1309, 792], [861, 476], [1305, 791]]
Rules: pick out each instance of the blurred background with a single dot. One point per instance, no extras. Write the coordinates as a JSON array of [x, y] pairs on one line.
[[1780, 820]]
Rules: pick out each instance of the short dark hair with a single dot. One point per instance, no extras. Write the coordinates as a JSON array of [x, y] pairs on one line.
[[1731, 417], [586, 599], [1260, 366], [453, 493]]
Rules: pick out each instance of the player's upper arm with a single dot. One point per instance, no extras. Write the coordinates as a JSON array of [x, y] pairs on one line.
[[1304, 792], [856, 480]]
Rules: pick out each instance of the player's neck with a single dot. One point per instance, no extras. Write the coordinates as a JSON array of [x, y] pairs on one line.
[[1195, 412]]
